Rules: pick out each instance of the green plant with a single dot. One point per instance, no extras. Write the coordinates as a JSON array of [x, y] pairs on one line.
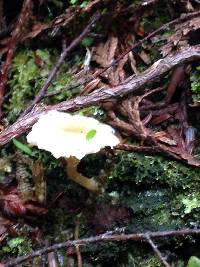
[[78, 2], [193, 262], [18, 245], [87, 41], [195, 83]]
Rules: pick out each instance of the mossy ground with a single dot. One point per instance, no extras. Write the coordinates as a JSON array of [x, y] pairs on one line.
[[157, 195]]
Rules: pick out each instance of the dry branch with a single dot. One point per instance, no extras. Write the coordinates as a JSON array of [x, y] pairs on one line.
[[133, 84], [157, 251], [103, 238]]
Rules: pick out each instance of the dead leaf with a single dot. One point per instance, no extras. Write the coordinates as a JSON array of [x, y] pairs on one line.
[[118, 74], [176, 78], [12, 205], [91, 86], [133, 62], [140, 31], [159, 119], [104, 53], [145, 57], [164, 137], [4, 224]]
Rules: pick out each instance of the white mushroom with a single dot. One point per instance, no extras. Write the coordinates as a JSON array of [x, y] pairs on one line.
[[72, 137]]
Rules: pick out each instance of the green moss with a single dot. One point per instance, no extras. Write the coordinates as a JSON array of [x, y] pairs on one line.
[[191, 202], [29, 71], [17, 246], [93, 111], [146, 260], [78, 2], [154, 171], [195, 83], [161, 193], [186, 202], [102, 253], [193, 262]]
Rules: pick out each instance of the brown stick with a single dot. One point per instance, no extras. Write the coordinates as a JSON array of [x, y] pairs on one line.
[[103, 238], [61, 59], [157, 252], [16, 36], [140, 149], [132, 85]]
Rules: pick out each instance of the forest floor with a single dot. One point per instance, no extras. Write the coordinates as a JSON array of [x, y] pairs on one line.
[[133, 65]]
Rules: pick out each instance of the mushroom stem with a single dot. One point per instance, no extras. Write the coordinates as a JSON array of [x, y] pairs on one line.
[[74, 175]]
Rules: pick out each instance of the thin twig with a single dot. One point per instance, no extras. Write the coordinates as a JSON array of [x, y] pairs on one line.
[[157, 252], [52, 261], [61, 59], [102, 238]]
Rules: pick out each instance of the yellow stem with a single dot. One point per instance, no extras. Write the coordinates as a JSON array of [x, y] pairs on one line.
[[75, 176]]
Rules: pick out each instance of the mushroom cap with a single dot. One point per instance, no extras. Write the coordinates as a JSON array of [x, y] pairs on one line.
[[66, 135]]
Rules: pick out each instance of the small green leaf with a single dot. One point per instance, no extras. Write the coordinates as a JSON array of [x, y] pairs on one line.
[[15, 242], [23, 147], [84, 4], [193, 262], [87, 41], [73, 2], [91, 134]]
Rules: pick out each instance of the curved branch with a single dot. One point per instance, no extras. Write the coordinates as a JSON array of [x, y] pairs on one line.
[[132, 85], [103, 238]]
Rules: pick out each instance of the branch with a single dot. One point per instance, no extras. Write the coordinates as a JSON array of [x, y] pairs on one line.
[[133, 84], [61, 59], [102, 238], [157, 252], [139, 149]]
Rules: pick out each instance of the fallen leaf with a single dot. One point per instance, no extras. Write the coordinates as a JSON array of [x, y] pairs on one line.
[[145, 57], [104, 53], [12, 205], [159, 119]]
